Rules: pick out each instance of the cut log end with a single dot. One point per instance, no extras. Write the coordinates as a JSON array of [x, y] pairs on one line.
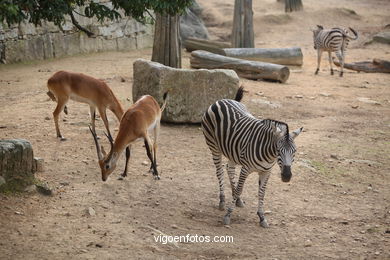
[[284, 74]]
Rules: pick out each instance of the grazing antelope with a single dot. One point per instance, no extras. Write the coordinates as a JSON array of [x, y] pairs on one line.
[[143, 116], [65, 85]]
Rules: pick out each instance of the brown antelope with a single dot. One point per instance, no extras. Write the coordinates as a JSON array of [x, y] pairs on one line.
[[65, 85], [143, 116]]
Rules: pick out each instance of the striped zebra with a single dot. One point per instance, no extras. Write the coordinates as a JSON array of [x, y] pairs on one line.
[[332, 40], [230, 130]]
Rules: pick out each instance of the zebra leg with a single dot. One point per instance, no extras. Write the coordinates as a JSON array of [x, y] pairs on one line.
[[217, 159], [231, 173], [340, 56], [263, 179], [237, 193], [319, 54], [330, 62]]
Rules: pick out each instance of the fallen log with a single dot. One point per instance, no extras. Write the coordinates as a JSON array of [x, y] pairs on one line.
[[244, 68], [377, 65], [283, 56], [193, 44]]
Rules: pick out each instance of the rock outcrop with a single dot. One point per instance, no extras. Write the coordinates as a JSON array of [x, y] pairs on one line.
[[191, 92], [17, 164]]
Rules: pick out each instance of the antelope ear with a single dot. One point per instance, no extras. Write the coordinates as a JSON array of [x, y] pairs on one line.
[[296, 132], [320, 27], [103, 152]]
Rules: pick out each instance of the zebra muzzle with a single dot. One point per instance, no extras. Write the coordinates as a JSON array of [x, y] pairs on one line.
[[286, 174]]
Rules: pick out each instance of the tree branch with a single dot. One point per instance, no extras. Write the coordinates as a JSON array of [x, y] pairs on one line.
[[151, 16], [78, 26]]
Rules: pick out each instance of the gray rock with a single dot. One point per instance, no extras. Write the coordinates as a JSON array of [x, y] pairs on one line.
[[91, 211], [44, 189], [16, 164], [191, 25], [382, 37], [31, 188], [368, 100], [266, 103], [38, 164], [191, 92]]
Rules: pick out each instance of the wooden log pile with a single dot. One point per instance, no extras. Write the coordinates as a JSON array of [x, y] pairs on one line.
[[284, 56], [376, 65], [193, 44], [244, 68]]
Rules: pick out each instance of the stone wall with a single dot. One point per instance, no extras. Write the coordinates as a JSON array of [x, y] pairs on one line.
[[25, 41]]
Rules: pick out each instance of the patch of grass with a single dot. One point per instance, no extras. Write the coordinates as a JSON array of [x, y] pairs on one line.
[[325, 170], [373, 230], [17, 185]]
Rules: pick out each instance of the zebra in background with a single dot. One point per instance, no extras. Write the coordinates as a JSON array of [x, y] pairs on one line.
[[332, 40], [230, 130]]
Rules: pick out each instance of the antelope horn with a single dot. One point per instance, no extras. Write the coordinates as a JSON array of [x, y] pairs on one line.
[[110, 139], [99, 153]]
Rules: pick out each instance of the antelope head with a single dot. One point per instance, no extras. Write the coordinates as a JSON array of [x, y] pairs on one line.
[[107, 162]]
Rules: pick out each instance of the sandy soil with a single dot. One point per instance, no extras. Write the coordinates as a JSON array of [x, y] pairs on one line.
[[336, 206]]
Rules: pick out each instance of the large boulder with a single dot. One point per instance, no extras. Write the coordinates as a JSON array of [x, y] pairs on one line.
[[17, 165], [191, 92], [191, 25]]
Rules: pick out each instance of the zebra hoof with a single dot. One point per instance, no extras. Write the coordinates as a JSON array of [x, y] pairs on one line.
[[221, 205], [316, 73], [341, 74], [156, 177], [331, 72], [239, 203], [62, 138], [226, 220], [264, 224]]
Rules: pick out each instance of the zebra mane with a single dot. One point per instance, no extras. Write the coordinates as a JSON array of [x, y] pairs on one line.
[[286, 135]]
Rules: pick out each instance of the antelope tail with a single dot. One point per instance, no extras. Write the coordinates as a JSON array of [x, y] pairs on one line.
[[52, 97]]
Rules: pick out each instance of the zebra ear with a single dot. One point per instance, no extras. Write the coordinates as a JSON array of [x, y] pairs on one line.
[[295, 133], [278, 132], [320, 27]]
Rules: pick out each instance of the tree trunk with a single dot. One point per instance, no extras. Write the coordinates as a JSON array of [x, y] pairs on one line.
[[285, 56], [242, 34], [166, 45], [293, 5], [376, 65], [244, 68], [193, 44]]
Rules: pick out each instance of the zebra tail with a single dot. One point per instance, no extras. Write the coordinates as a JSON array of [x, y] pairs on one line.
[[239, 94], [355, 33]]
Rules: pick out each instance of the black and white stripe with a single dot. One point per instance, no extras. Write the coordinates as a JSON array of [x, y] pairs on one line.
[[231, 131], [332, 40]]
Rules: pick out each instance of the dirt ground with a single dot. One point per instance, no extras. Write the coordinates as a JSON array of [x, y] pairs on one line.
[[337, 205]]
